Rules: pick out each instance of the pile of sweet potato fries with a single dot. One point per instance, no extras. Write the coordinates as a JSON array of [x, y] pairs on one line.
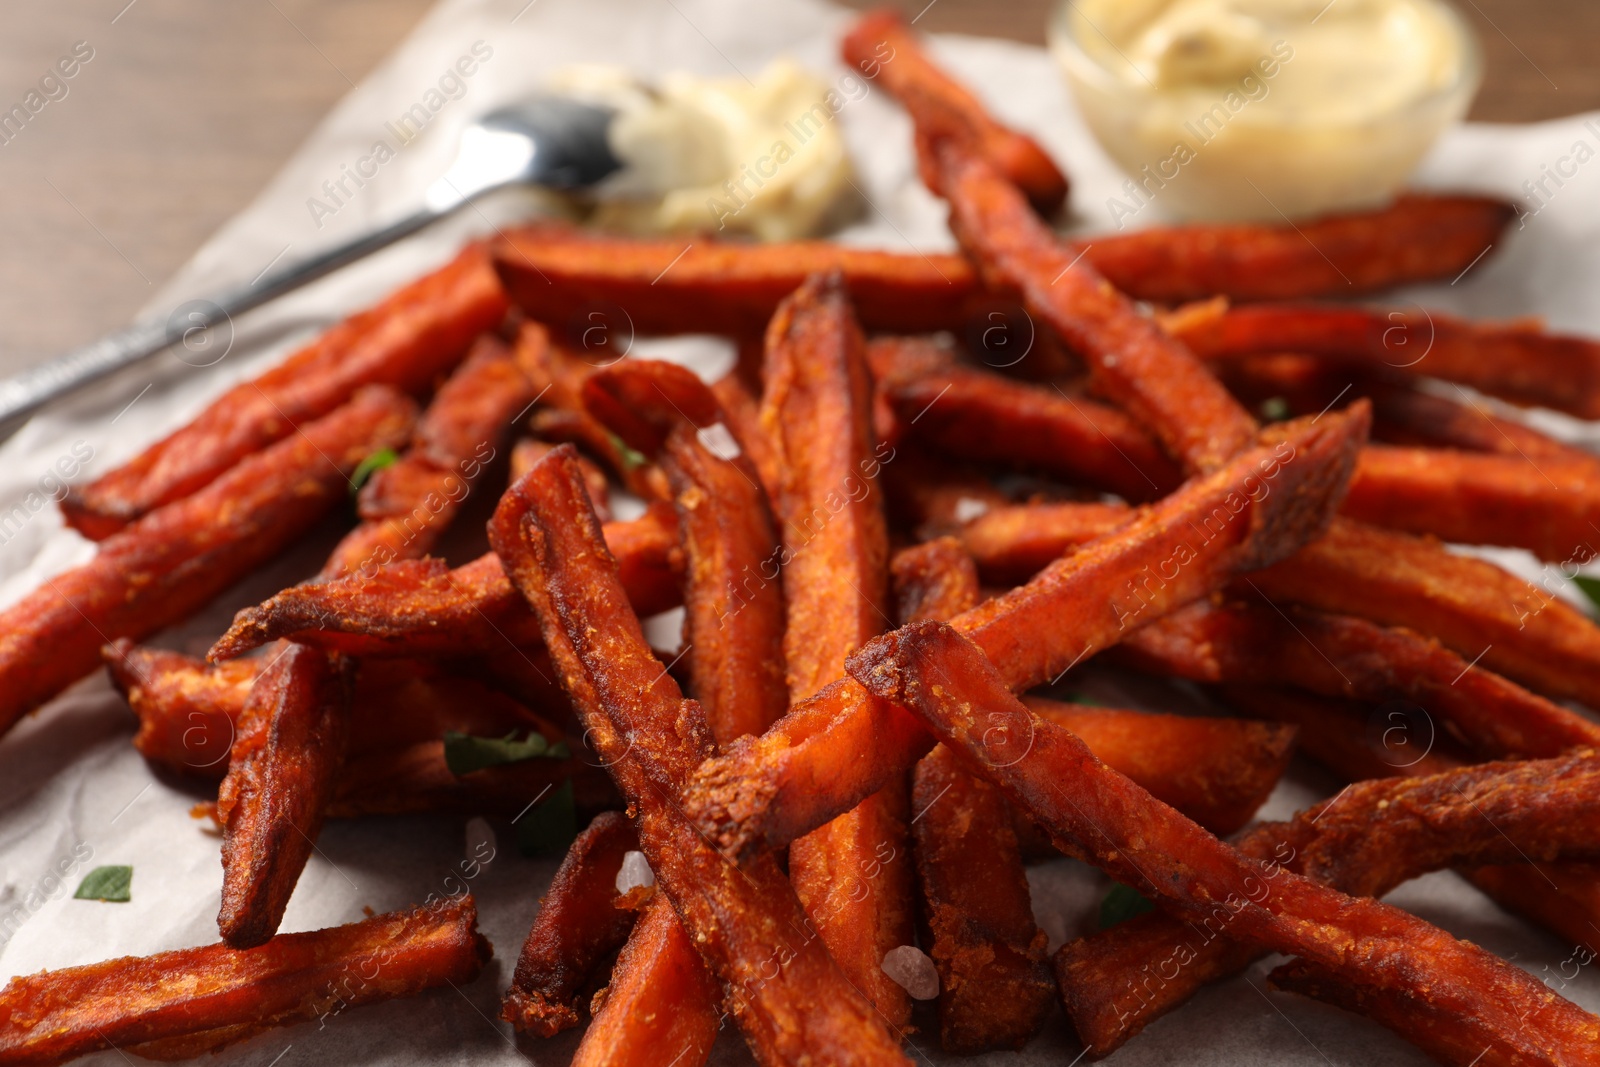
[[880, 544]]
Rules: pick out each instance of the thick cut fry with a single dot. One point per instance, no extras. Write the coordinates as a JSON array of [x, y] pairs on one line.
[[995, 986], [1218, 772], [530, 450], [853, 876], [289, 744], [1339, 656], [182, 1003], [422, 607], [1372, 837], [840, 746], [1517, 361], [405, 507], [1133, 361], [1564, 898], [1109, 821], [971, 415], [1520, 630], [661, 1004], [785, 991], [933, 580], [406, 342], [188, 708], [169, 564], [582, 921], [882, 47], [733, 622], [1417, 238], [563, 276], [1548, 505]]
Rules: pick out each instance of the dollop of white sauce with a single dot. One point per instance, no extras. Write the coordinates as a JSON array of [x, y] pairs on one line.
[[721, 155]]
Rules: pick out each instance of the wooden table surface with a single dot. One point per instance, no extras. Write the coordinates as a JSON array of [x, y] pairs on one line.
[[187, 108]]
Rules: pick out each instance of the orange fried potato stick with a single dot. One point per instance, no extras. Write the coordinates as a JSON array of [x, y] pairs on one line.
[[176, 1005], [406, 341], [170, 563]]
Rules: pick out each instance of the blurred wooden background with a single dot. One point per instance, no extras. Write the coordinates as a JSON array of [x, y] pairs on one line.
[[189, 106]]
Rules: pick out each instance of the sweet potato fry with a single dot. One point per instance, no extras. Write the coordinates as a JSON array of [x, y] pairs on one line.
[[853, 875], [933, 580], [286, 752], [1012, 543], [422, 607], [882, 47], [582, 920], [743, 412], [969, 414], [995, 986], [1547, 505], [530, 450], [785, 991], [1517, 361], [1372, 837], [1109, 821], [733, 624], [406, 342], [1564, 898], [200, 999], [795, 777], [661, 1004], [1218, 772], [169, 564], [1339, 656], [406, 506], [188, 708], [1519, 630], [1417, 238]]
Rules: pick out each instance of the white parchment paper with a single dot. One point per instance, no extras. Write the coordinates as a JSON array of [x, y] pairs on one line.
[[73, 794]]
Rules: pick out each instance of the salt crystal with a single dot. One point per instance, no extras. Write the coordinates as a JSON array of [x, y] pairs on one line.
[[635, 873], [969, 508], [912, 971], [718, 441]]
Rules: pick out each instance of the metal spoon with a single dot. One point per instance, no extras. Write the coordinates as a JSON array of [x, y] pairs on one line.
[[548, 141]]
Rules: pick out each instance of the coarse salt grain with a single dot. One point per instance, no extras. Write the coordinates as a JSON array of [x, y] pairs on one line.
[[635, 873], [912, 971]]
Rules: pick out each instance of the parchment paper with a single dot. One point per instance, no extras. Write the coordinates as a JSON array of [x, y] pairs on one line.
[[73, 794]]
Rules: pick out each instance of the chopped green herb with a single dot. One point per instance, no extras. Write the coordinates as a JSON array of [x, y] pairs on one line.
[[113, 884], [384, 457], [1086, 701], [1274, 409], [631, 458], [464, 753], [1122, 903], [1589, 587], [551, 825]]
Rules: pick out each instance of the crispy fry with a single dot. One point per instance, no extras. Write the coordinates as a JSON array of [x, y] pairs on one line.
[[289, 744], [530, 450], [1011, 544], [1564, 898], [406, 506], [796, 776], [169, 564], [581, 921], [995, 986], [743, 412], [742, 922], [1517, 361], [1417, 238], [969, 414], [1132, 360], [933, 580], [1339, 656], [882, 47], [733, 624], [853, 875], [1218, 772], [200, 999], [1519, 630], [188, 708], [661, 1006], [1372, 837], [950, 683], [406, 341], [422, 607], [1547, 505]]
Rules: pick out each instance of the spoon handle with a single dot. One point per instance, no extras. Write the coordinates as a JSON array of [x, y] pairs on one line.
[[189, 325]]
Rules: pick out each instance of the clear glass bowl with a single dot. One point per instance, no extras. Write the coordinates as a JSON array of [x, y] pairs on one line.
[[1256, 162]]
